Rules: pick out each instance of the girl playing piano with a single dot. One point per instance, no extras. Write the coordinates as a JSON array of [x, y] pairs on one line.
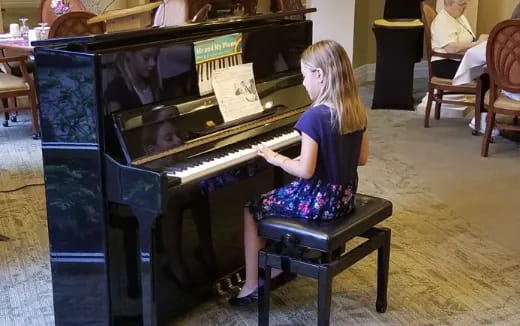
[[334, 143]]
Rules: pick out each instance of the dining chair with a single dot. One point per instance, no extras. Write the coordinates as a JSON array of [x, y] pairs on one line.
[[12, 87], [439, 87], [48, 16], [202, 14], [503, 64], [288, 5], [74, 23]]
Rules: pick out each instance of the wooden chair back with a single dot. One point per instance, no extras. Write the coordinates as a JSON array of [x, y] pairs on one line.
[[428, 15], [202, 14], [288, 5], [503, 64], [503, 56], [74, 23]]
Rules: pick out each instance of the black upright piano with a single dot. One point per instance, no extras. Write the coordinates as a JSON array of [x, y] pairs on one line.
[[145, 182]]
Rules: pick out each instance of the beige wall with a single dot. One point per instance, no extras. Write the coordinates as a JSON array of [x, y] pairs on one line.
[[334, 20], [364, 42], [490, 12]]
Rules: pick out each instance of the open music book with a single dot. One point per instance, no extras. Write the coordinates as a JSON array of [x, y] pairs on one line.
[[236, 92], [216, 53]]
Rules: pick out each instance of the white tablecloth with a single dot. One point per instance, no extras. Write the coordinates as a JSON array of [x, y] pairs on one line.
[[472, 65]]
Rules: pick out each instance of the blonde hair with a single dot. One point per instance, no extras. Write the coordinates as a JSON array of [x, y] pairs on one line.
[[339, 87], [126, 65]]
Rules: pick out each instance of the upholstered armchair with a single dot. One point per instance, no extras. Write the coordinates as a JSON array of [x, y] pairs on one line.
[[503, 64], [438, 87]]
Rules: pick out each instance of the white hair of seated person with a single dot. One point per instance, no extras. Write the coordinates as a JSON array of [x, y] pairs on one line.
[[450, 2], [516, 12]]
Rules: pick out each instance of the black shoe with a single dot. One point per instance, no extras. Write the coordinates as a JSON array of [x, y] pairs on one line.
[[244, 301]]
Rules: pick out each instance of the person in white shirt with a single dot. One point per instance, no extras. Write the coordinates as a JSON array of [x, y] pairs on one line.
[[451, 33], [171, 13], [516, 12]]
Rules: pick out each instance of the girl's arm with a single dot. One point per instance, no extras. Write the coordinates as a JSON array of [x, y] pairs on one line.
[[363, 154], [303, 166]]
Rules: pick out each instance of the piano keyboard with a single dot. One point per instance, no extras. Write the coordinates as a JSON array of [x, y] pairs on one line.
[[207, 166], [205, 71]]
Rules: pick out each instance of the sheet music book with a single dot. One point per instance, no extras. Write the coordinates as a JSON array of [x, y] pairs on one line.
[[216, 53], [236, 92]]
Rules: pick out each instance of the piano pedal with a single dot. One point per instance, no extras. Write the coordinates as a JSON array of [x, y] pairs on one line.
[[239, 279], [233, 286], [229, 285], [218, 289]]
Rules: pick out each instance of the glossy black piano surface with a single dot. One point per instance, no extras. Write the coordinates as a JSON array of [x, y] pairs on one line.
[[138, 183]]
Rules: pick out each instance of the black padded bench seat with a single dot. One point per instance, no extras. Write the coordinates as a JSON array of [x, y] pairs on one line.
[[290, 239], [329, 235]]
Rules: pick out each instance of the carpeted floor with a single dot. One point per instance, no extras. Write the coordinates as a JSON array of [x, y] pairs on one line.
[[442, 271]]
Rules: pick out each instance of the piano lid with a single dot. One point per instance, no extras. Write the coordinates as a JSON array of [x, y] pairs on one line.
[[157, 34]]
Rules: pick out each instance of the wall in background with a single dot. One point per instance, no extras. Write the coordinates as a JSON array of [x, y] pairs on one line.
[[490, 12], [364, 42], [334, 20]]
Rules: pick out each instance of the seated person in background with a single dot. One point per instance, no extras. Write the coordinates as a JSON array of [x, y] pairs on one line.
[[137, 81], [177, 12], [516, 12], [451, 33], [171, 13]]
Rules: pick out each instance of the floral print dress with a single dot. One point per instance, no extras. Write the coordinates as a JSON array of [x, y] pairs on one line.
[[305, 198], [330, 192]]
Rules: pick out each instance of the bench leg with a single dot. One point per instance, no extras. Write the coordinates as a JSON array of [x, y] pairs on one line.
[[383, 262], [324, 295], [264, 292]]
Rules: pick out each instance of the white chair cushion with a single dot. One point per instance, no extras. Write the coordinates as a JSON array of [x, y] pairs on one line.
[[9, 83], [448, 82], [503, 102]]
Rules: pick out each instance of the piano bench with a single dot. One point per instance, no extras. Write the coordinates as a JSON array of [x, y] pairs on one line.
[[290, 241]]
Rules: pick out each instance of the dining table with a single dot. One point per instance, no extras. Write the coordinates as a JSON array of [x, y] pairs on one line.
[[15, 44], [473, 65]]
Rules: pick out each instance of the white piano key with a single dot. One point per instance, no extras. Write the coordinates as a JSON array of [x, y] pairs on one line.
[[234, 158]]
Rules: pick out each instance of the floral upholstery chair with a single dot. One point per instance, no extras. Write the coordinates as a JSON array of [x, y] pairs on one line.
[[48, 15]]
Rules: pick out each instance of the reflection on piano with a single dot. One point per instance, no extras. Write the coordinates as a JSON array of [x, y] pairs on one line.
[[139, 225]]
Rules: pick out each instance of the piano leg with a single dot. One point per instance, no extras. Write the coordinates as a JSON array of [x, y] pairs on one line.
[[177, 260], [146, 220]]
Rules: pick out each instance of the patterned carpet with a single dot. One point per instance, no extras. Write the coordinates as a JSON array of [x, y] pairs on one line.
[[441, 271]]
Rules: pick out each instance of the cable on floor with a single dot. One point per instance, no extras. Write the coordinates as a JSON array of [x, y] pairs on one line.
[[22, 187]]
